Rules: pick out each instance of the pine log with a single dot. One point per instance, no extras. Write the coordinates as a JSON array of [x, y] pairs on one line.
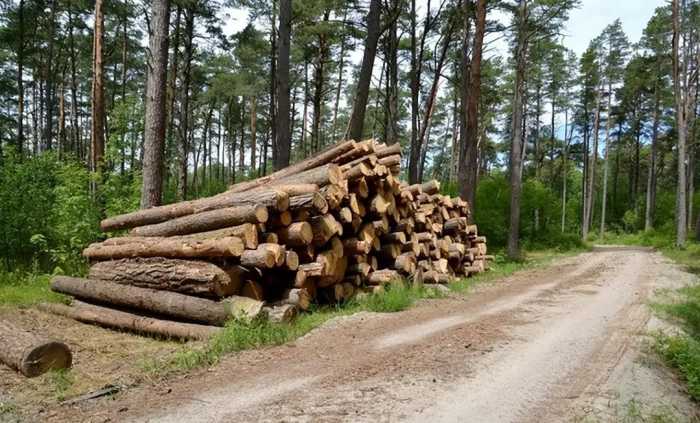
[[312, 269], [431, 187], [168, 247], [162, 302], [261, 257], [247, 232], [115, 319], [284, 313], [274, 198], [296, 235], [297, 297], [183, 276], [205, 221], [311, 201], [30, 354], [323, 228], [355, 246], [388, 150], [381, 277], [291, 260], [279, 220], [317, 160]]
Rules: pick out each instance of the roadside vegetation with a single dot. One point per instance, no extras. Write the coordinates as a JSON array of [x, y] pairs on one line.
[[681, 351]]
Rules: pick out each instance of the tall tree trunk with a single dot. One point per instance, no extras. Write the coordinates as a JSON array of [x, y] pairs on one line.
[[171, 93], [273, 90], [357, 116], [430, 105], [588, 203], [516, 149], [185, 104], [415, 90], [50, 77], [604, 201], [651, 178], [681, 126], [339, 87], [253, 134], [241, 144], [20, 79], [283, 143], [319, 75], [392, 82], [468, 166], [154, 125], [97, 140], [75, 127]]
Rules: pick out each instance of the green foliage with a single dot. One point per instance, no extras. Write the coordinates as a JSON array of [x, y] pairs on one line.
[[22, 289], [47, 213], [630, 220], [682, 353]]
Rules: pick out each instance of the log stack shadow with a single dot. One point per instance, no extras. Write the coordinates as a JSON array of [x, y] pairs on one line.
[[320, 231]]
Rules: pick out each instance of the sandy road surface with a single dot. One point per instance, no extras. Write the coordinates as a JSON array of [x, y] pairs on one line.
[[561, 343]]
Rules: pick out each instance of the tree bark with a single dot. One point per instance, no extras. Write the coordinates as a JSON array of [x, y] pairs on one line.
[[172, 247], [185, 109], [651, 178], [468, 165], [30, 354], [110, 318], [166, 303], [513, 247], [283, 142], [681, 100], [357, 117], [97, 138], [154, 125], [277, 199], [190, 277], [20, 78], [205, 221]]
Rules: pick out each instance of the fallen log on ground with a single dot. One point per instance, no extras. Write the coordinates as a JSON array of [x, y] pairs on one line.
[[161, 302], [122, 320], [30, 354]]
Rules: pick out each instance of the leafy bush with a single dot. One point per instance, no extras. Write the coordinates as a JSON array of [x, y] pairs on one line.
[[46, 212]]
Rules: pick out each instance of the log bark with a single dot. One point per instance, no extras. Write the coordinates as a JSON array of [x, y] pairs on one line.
[[247, 232], [161, 302], [274, 198], [323, 158], [205, 221], [116, 319], [184, 276], [167, 247], [30, 354]]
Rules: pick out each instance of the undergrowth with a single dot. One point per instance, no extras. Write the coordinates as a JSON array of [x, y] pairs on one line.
[[22, 289]]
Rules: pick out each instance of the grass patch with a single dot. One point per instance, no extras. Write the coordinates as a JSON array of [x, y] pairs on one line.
[[241, 335], [61, 382], [21, 289]]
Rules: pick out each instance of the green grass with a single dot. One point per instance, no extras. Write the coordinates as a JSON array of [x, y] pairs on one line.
[[241, 335], [22, 289], [61, 382]]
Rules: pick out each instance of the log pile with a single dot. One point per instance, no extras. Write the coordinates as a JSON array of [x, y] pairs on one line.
[[322, 230]]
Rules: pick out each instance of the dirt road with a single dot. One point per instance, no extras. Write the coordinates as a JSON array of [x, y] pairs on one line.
[[561, 343]]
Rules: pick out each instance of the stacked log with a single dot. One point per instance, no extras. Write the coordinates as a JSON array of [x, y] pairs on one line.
[[322, 230]]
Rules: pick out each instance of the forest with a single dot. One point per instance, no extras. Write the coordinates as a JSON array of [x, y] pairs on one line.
[[107, 107]]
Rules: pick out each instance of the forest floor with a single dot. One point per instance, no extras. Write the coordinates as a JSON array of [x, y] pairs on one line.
[[570, 341]]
